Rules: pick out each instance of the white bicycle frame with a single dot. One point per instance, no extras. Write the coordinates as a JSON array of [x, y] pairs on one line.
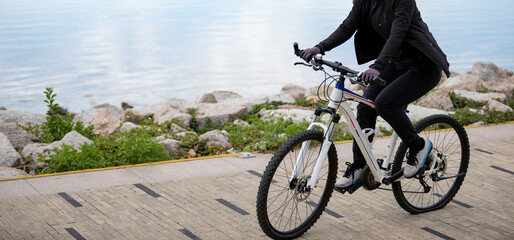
[[361, 138]]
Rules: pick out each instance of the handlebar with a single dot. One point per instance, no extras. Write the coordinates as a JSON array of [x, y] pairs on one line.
[[318, 61]]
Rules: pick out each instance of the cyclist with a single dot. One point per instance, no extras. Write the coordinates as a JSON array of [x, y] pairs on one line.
[[407, 57]]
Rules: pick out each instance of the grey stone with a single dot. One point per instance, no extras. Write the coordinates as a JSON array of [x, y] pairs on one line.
[[215, 138], [7, 172], [206, 98], [497, 106], [480, 97], [9, 156], [73, 138], [17, 136], [126, 127], [91, 114], [417, 113], [249, 102], [439, 99], [173, 148], [218, 114], [167, 113], [130, 115], [223, 95], [175, 128], [296, 115], [107, 121], [11, 116], [295, 91], [463, 82]]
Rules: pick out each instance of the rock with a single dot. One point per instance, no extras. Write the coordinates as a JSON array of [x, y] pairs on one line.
[[215, 138], [224, 95], [490, 72], [250, 101], [496, 106], [216, 97], [463, 82], [295, 91], [312, 99], [17, 136], [167, 113], [107, 121], [173, 148], [9, 156], [130, 115], [11, 116], [439, 99], [477, 123], [3, 108], [296, 115], [480, 97], [72, 138], [93, 113], [191, 153], [175, 128], [287, 106], [416, 113], [7, 172], [126, 106], [206, 98], [483, 77], [126, 127], [240, 122], [218, 114]]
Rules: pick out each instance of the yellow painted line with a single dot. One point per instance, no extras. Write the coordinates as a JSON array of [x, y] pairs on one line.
[[185, 160], [118, 167]]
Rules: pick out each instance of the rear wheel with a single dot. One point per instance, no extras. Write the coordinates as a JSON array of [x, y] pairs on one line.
[[288, 209], [450, 144]]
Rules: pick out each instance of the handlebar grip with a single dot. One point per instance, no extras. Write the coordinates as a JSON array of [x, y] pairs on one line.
[[296, 49]]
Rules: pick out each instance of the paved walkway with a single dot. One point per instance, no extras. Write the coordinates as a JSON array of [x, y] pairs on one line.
[[215, 199]]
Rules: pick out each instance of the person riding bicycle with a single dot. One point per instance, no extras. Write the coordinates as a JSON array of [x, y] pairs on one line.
[[407, 57]]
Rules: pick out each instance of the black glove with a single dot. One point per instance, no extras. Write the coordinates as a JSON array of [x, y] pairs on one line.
[[308, 53], [369, 75]]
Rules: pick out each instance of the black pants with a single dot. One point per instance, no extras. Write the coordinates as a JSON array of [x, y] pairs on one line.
[[403, 87]]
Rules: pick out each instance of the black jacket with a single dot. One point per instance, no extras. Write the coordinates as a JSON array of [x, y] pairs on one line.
[[401, 21]]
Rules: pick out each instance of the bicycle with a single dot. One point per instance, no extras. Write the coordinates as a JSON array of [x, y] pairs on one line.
[[299, 179]]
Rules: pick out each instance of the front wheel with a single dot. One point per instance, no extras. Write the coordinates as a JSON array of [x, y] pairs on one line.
[[288, 209], [451, 148]]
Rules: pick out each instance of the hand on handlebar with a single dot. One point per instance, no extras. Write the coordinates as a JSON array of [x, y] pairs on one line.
[[308, 53], [369, 75]]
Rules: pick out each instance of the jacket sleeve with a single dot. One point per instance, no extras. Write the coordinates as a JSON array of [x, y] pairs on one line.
[[343, 32], [403, 12]]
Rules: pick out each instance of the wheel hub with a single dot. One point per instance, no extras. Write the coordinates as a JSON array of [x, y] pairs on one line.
[[301, 191]]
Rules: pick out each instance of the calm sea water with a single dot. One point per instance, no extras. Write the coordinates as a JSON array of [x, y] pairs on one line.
[[141, 52]]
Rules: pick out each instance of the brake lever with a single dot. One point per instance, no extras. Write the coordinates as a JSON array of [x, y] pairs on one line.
[[302, 63]]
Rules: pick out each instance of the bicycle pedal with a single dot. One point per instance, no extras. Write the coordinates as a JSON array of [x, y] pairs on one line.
[[350, 189]]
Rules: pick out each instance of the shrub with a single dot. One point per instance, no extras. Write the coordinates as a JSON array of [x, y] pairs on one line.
[[56, 126]]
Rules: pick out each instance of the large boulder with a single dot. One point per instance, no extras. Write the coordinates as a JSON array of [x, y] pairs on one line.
[[417, 113], [215, 138], [216, 96], [496, 106], [9, 156], [72, 138], [483, 76], [295, 91], [167, 113], [216, 115], [480, 97], [173, 148], [463, 82], [107, 121], [296, 115], [11, 116], [128, 126], [130, 115], [439, 99], [17, 136], [249, 102], [7, 172]]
